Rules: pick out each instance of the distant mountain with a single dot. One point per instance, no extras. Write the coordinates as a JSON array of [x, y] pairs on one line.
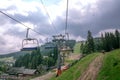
[[15, 54], [45, 49]]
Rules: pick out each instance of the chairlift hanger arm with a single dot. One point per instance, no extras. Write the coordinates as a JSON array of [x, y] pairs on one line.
[[27, 33]]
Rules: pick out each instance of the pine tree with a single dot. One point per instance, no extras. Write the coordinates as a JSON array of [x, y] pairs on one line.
[[81, 47], [117, 35], [30, 60], [86, 50], [90, 42]]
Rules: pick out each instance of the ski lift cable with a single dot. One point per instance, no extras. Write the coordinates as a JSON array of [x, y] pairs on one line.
[[52, 24], [66, 23], [19, 22]]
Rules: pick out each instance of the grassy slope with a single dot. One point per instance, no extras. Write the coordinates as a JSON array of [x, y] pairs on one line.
[[111, 66], [77, 47], [75, 71]]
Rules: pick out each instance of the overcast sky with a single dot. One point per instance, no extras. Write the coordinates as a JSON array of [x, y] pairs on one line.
[[98, 16]]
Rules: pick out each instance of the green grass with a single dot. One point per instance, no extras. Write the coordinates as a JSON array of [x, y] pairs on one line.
[[77, 47], [111, 66], [75, 71]]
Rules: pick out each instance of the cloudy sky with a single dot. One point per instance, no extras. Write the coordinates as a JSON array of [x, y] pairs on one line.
[[98, 16]]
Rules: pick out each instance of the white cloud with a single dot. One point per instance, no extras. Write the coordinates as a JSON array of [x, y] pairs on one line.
[[5, 27], [77, 38], [20, 7], [106, 30], [12, 44], [23, 28], [58, 9], [2, 30], [80, 16], [12, 7]]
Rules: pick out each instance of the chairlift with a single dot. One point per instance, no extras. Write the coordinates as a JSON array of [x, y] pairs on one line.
[[26, 43], [50, 46]]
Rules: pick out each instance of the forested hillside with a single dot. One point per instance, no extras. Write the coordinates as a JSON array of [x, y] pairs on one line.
[[14, 54], [107, 42], [35, 59]]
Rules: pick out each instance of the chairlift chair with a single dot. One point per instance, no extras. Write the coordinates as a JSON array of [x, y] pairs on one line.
[[28, 41]]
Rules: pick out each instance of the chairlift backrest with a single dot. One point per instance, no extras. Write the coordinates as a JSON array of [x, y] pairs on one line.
[[29, 49], [25, 42]]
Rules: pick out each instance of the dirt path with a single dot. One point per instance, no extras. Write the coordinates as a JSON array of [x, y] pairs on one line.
[[74, 56], [93, 69], [44, 77]]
